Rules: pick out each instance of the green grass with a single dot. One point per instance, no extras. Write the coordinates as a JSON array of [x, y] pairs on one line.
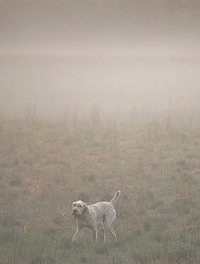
[[47, 164]]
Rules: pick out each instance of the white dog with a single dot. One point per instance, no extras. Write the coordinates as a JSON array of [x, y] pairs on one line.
[[89, 215]]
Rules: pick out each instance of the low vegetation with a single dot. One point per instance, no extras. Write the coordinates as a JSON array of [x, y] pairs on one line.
[[47, 164]]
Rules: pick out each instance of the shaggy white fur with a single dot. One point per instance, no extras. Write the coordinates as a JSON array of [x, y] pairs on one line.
[[89, 215]]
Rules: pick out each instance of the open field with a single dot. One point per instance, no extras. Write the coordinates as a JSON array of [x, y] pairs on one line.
[[154, 159]]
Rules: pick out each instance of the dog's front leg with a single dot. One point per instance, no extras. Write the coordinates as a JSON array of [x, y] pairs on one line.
[[94, 235], [78, 234]]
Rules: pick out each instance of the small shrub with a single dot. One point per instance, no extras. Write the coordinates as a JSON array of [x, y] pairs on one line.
[[83, 259], [15, 182], [139, 256], [7, 235], [65, 243], [84, 196], [9, 221], [43, 260], [182, 206], [92, 178], [51, 232], [185, 252], [118, 261], [102, 249], [58, 220], [157, 236], [150, 255], [147, 225]]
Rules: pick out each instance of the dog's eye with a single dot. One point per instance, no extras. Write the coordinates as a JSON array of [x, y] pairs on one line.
[[79, 205]]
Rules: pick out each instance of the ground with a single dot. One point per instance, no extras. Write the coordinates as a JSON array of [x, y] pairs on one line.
[[47, 164]]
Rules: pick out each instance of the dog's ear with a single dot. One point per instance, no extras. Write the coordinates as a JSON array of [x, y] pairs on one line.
[[85, 210]]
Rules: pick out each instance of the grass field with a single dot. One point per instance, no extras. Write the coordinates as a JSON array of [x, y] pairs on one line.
[[154, 159]]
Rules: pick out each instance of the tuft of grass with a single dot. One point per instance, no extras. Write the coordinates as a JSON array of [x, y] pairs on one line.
[[102, 249], [15, 182], [43, 260], [65, 243]]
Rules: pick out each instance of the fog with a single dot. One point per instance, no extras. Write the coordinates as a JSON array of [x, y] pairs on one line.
[[59, 56]]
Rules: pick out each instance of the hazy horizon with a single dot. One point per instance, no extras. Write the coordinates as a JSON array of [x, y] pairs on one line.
[[55, 85], [56, 55]]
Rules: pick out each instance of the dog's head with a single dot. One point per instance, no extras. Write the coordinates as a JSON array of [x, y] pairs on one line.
[[79, 208]]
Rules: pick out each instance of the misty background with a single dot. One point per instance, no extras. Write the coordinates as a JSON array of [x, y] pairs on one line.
[[59, 56]]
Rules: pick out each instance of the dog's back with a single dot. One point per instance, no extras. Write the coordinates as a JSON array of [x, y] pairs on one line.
[[101, 209]]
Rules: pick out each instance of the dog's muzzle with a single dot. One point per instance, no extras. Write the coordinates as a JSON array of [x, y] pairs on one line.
[[75, 213]]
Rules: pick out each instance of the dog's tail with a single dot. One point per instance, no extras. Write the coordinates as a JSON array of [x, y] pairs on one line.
[[116, 197]]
